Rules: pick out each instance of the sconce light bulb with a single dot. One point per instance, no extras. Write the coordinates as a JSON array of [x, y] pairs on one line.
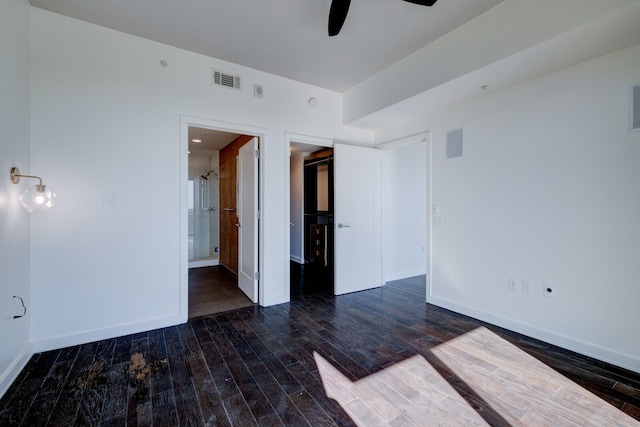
[[38, 198]]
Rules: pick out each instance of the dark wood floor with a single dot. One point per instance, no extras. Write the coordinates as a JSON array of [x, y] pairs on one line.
[[379, 357], [214, 290]]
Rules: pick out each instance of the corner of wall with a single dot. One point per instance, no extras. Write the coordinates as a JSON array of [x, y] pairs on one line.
[[11, 373]]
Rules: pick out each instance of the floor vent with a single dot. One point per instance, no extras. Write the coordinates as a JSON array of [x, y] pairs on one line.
[[220, 78]]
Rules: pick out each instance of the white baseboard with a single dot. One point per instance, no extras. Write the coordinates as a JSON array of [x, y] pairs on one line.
[[622, 360], [9, 376], [398, 275], [204, 263], [106, 333], [296, 259]]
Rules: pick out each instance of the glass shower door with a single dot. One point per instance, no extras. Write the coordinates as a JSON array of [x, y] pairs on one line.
[[203, 217]]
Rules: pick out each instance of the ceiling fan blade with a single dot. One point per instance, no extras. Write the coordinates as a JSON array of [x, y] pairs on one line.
[[337, 15], [423, 2]]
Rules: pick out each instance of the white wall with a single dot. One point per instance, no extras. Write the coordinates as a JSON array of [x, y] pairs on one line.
[[106, 131], [14, 220], [547, 191], [405, 194], [296, 207]]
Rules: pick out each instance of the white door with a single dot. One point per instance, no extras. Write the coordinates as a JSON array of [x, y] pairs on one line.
[[248, 217], [357, 219]]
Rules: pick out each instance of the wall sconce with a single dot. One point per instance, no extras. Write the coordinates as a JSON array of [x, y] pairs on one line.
[[37, 197]]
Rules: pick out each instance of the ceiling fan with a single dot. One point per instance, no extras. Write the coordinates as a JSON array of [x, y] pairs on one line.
[[339, 9]]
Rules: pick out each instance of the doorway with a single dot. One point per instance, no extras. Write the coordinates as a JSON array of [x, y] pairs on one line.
[[355, 227], [311, 217], [214, 225]]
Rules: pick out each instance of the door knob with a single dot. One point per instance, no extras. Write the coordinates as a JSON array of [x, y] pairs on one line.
[[341, 225], [237, 225]]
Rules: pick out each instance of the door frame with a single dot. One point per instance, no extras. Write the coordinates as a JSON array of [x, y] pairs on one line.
[[216, 125], [426, 137], [293, 138]]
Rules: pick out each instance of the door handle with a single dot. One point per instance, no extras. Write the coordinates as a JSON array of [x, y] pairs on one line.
[[229, 209], [237, 225], [341, 225]]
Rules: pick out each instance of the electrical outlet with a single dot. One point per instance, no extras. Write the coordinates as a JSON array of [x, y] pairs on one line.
[[548, 290], [526, 287], [513, 284]]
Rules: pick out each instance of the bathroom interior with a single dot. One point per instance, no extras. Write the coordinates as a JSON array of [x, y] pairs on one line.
[[213, 285], [204, 230]]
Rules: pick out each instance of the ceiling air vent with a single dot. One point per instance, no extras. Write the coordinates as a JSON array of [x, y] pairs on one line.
[[220, 78]]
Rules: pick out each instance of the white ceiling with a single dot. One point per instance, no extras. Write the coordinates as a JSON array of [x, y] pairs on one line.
[[284, 37], [210, 140]]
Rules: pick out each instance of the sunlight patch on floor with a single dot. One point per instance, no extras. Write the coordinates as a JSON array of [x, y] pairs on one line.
[[495, 383]]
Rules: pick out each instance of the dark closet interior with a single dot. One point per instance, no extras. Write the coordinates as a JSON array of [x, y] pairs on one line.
[[318, 217]]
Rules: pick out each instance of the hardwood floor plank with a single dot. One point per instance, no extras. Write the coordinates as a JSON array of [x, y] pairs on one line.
[[277, 396], [164, 410], [95, 386], [238, 411], [22, 398], [183, 389], [315, 415], [214, 290], [65, 411], [208, 396], [50, 390], [378, 357], [314, 388], [222, 378], [114, 408], [139, 406]]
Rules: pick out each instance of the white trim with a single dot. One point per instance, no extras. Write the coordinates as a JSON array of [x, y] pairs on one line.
[[296, 259], [631, 110], [430, 219], [622, 360], [14, 369], [106, 333], [261, 133], [404, 275], [210, 262], [407, 140], [307, 139]]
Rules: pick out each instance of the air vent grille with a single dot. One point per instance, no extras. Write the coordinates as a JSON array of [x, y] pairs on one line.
[[454, 144], [221, 78]]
